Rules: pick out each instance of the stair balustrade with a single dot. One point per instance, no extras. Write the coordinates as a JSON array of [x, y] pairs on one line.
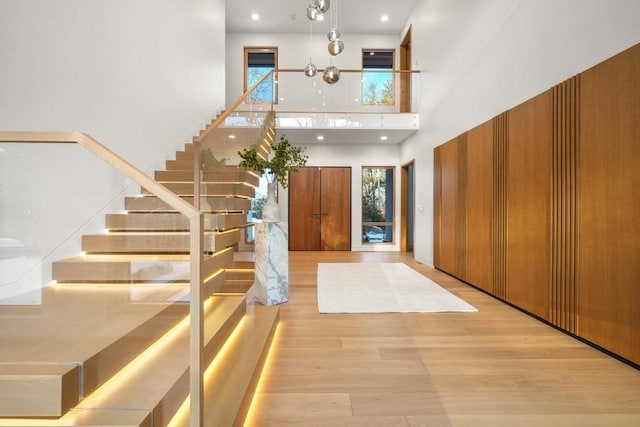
[[117, 317]]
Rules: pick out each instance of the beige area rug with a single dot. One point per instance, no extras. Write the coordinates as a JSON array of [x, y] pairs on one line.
[[381, 288]]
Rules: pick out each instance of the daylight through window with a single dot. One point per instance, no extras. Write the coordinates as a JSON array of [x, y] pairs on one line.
[[259, 61], [377, 77], [377, 204]]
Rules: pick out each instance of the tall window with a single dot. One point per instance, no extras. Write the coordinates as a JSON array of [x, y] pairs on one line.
[[257, 62], [377, 77], [377, 204]]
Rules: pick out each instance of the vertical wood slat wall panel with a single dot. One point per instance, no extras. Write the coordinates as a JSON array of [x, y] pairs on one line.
[[461, 225], [592, 204], [437, 206], [449, 210], [609, 205], [564, 205], [528, 204], [479, 205], [499, 223]]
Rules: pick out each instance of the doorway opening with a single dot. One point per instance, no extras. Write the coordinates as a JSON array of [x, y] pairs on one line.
[[407, 207]]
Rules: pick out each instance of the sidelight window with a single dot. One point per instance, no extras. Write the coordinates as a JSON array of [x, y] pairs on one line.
[[377, 204]]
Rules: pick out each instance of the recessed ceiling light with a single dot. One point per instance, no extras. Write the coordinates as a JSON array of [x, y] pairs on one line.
[[384, 18], [383, 138], [320, 137], [255, 16]]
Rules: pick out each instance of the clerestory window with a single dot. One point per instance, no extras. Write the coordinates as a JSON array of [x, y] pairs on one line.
[[377, 77], [257, 62]]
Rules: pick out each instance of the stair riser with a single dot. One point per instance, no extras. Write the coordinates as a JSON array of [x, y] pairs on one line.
[[160, 384], [240, 275], [216, 176], [170, 222], [216, 189], [91, 271], [208, 204], [169, 405], [186, 163], [155, 243]]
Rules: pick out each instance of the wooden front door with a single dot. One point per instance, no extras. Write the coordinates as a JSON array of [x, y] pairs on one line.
[[320, 209], [304, 210]]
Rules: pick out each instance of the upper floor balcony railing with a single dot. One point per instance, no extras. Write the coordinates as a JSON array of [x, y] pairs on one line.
[[359, 101]]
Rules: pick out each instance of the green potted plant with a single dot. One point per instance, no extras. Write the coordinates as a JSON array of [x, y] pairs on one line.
[[284, 158]]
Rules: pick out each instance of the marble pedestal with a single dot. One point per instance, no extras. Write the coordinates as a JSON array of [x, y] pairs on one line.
[[272, 263]]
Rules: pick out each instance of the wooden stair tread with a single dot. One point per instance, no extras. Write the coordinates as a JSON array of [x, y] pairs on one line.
[[55, 384], [136, 268], [209, 204], [155, 241], [230, 381], [238, 190], [145, 268], [127, 323], [161, 382], [129, 258], [156, 382], [217, 175], [109, 343], [61, 308], [170, 221]]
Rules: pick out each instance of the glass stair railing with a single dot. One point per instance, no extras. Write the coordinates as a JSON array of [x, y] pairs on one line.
[[125, 319]]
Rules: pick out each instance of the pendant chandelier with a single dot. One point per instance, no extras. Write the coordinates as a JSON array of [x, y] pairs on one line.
[[317, 8], [331, 75], [336, 46], [310, 70]]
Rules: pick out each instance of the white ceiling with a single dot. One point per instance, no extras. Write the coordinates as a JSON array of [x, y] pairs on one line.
[[289, 16]]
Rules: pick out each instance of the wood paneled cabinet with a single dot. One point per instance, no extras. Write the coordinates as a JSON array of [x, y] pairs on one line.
[[320, 209], [539, 205]]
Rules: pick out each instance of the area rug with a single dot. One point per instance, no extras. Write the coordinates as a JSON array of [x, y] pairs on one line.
[[381, 288]]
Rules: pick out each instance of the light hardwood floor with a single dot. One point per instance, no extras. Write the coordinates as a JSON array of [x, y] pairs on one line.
[[496, 367]]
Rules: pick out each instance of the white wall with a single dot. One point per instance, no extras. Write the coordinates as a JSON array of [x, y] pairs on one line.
[[505, 53], [140, 76]]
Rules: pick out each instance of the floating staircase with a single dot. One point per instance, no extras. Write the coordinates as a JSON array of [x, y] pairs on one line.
[[109, 344]]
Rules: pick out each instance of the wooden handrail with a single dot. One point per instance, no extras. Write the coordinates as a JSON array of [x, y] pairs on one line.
[[107, 156], [196, 225], [221, 118], [352, 70], [196, 385], [196, 329]]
